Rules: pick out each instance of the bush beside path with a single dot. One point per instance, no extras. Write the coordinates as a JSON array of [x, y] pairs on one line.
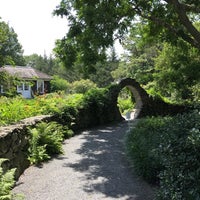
[[94, 166]]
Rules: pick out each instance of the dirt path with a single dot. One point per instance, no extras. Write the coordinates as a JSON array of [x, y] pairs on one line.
[[94, 166]]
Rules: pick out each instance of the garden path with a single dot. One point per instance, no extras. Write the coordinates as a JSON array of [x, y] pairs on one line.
[[94, 166]]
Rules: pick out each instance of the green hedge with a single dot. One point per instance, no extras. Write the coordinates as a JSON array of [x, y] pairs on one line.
[[167, 150], [142, 144], [179, 153]]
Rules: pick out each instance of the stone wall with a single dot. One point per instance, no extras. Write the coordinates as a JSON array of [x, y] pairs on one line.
[[14, 138], [14, 143]]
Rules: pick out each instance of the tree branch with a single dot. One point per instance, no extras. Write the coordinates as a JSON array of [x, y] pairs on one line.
[[176, 32], [180, 9], [179, 33], [191, 8]]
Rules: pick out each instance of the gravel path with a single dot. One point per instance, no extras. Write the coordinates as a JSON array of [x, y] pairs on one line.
[[94, 166]]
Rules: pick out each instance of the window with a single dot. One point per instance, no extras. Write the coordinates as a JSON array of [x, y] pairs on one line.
[[1, 89], [40, 86], [20, 87], [23, 87], [26, 86]]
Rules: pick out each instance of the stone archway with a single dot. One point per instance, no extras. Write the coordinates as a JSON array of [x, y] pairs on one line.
[[140, 95], [145, 104]]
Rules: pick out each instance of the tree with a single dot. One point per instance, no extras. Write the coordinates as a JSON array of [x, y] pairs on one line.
[[166, 69], [8, 83], [177, 71], [39, 62], [10, 49], [95, 25], [138, 61], [102, 77], [45, 64]]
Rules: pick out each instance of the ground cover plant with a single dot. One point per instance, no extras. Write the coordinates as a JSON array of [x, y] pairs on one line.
[[166, 150], [46, 140], [125, 105], [6, 182]]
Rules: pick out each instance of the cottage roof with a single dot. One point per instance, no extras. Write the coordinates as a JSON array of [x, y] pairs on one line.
[[25, 72]]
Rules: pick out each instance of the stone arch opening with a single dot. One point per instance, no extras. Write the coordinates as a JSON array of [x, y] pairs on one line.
[[139, 94], [136, 109], [126, 102]]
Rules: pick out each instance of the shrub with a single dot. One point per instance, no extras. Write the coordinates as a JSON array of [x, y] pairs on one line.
[[6, 182], [59, 84], [167, 149], [9, 84], [15, 109], [141, 147], [82, 86], [97, 102], [46, 140], [179, 153], [125, 105]]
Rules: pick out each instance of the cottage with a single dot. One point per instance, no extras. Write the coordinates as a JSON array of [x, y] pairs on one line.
[[31, 82]]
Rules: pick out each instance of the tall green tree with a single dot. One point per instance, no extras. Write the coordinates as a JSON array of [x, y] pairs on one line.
[[95, 25], [53, 66], [8, 84], [39, 62], [102, 76], [48, 65], [177, 71], [138, 61], [171, 70], [10, 49]]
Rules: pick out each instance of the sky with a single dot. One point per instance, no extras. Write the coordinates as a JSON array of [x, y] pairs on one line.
[[33, 22]]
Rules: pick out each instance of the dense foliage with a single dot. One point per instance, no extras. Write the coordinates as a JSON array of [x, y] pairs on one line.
[[46, 140], [141, 143], [15, 109], [125, 101], [6, 182], [177, 71], [59, 84], [161, 39], [8, 84], [171, 71], [94, 25], [96, 103], [82, 86], [167, 150]]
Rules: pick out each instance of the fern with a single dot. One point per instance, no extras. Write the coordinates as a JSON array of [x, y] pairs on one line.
[[37, 153], [46, 140], [52, 136], [6, 182]]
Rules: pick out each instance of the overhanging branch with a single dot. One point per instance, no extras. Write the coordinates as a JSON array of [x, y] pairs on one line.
[[180, 9]]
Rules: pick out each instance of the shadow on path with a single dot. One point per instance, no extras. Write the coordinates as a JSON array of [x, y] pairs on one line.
[[104, 163], [93, 167]]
